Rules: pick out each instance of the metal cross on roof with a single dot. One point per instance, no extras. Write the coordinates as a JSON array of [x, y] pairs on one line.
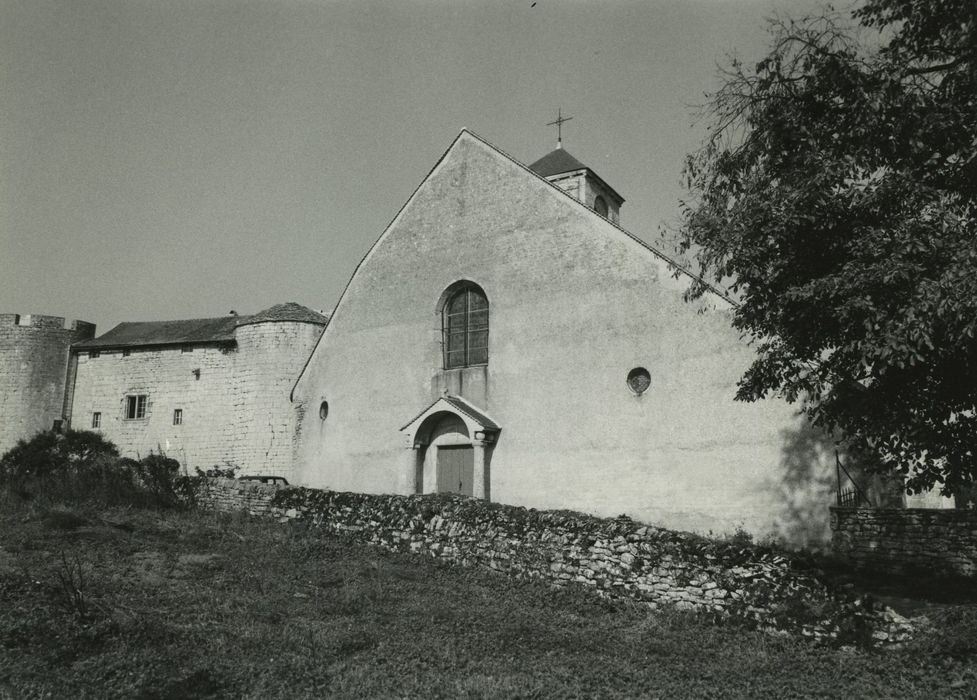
[[559, 126]]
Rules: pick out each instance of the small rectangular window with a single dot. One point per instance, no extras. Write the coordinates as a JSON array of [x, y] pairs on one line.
[[126, 353], [135, 406], [177, 416], [96, 419], [93, 354]]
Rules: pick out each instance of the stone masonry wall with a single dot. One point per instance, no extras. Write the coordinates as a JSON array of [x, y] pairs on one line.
[[169, 378], [905, 540], [33, 367], [270, 357], [233, 398], [618, 558]]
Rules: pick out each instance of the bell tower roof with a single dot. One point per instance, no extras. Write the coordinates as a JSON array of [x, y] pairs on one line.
[[556, 162], [580, 182]]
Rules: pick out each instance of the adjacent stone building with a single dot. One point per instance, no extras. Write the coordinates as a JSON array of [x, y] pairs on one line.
[[33, 372], [506, 338], [208, 392]]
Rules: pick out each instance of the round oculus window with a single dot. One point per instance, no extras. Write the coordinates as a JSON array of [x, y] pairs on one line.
[[639, 380], [323, 410]]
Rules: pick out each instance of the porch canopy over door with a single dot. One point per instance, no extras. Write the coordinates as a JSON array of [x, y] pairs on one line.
[[482, 430]]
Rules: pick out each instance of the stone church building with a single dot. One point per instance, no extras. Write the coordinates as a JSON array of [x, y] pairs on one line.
[[505, 338]]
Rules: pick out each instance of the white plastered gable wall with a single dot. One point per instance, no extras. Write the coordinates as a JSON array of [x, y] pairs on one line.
[[576, 302]]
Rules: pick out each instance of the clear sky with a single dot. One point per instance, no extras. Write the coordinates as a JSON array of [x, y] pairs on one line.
[[166, 159]]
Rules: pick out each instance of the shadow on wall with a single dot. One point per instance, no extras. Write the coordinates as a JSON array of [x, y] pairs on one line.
[[805, 486], [808, 484]]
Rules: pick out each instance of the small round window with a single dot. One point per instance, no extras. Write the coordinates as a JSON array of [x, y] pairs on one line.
[[639, 380], [323, 410]]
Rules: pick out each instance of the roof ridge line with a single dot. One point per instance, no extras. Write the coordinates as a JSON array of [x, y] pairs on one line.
[[672, 263]]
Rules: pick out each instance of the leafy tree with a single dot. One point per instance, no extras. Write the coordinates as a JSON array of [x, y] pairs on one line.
[[836, 194]]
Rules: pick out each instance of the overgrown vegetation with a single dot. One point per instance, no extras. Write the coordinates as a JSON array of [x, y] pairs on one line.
[[79, 466], [170, 604], [175, 603]]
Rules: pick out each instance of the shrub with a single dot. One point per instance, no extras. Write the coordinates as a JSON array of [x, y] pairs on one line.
[[80, 466], [227, 472], [158, 475], [52, 463], [50, 452]]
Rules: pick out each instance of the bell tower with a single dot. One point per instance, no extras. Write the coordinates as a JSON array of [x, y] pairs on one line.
[[576, 179]]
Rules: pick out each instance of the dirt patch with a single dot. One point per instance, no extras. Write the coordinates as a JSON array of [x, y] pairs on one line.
[[8, 564], [155, 568], [191, 560]]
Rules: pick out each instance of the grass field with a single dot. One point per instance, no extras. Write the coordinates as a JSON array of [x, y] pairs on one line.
[[138, 604]]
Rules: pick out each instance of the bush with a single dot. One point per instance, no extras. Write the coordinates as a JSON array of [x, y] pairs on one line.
[[158, 475], [217, 471], [79, 466], [54, 452]]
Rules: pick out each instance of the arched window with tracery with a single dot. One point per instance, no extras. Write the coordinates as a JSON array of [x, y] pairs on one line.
[[465, 325]]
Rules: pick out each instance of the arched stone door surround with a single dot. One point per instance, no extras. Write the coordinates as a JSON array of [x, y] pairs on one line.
[[449, 426]]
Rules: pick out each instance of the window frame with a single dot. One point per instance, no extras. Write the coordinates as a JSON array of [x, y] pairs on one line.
[[135, 407], [601, 206], [177, 416], [96, 420], [459, 327]]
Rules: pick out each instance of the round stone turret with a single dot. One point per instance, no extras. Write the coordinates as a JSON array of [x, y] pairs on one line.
[[34, 372]]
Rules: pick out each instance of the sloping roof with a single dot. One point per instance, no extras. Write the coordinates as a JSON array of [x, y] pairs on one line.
[[472, 412], [559, 161], [458, 404], [466, 133], [555, 163], [196, 330], [289, 311]]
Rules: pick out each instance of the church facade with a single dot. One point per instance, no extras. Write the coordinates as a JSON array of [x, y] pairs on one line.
[[506, 339]]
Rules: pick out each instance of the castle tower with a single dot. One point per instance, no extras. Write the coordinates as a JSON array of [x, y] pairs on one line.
[[580, 182], [34, 372], [273, 346]]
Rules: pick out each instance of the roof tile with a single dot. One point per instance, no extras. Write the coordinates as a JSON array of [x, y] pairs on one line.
[[196, 330], [555, 163]]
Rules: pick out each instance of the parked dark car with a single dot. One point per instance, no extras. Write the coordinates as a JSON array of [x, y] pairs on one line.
[[266, 479]]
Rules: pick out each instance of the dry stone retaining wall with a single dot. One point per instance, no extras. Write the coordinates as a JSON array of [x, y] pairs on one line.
[[906, 540], [618, 558]]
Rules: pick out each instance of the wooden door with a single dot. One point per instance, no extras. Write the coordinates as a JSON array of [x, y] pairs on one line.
[[456, 469]]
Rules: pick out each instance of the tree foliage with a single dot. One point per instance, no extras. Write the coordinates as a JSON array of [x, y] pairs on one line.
[[837, 195]]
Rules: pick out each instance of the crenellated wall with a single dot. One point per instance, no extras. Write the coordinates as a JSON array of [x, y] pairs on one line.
[[33, 369]]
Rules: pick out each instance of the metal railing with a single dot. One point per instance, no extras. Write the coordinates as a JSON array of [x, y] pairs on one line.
[[852, 496]]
